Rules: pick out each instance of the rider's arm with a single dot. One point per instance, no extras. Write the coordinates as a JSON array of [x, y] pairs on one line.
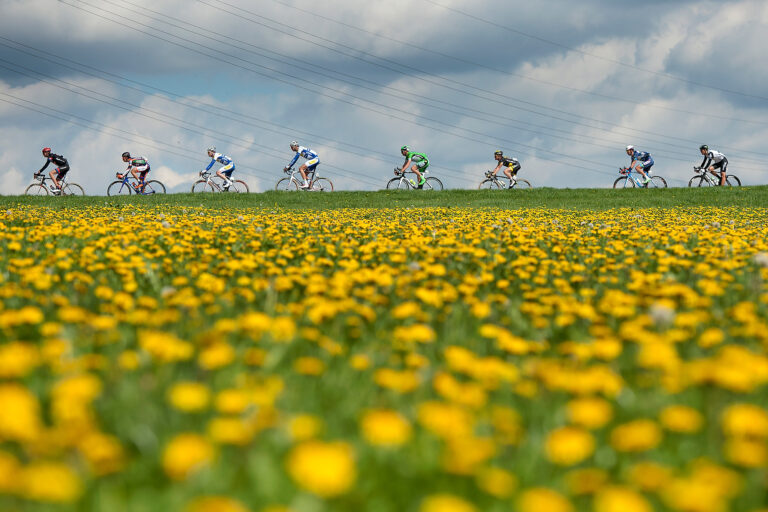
[[706, 162], [293, 162], [47, 163], [407, 164], [210, 165], [497, 168]]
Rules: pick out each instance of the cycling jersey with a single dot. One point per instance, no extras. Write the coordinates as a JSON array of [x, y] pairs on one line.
[[641, 156], [57, 160], [512, 163], [418, 158], [714, 158], [312, 158], [140, 164], [226, 161]]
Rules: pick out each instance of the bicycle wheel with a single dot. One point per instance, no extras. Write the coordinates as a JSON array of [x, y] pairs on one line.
[[490, 184], [522, 184], [72, 189], [657, 182], [36, 189], [287, 185], [119, 188], [699, 181], [239, 187], [154, 187], [624, 182], [733, 180], [322, 185], [397, 183], [202, 186], [433, 184]]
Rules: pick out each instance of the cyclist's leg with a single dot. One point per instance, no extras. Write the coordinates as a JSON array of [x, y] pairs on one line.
[[312, 169], [225, 173], [420, 170], [54, 174], [143, 179]]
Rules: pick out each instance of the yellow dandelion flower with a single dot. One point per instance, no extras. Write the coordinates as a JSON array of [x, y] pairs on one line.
[[385, 428], [745, 420], [324, 469], [496, 482], [189, 396], [186, 454], [682, 419], [539, 499], [569, 445], [305, 427], [621, 499], [50, 482], [636, 436], [215, 504], [445, 503], [590, 413]]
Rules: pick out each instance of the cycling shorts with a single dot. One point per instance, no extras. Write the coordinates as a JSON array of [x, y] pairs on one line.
[[648, 164], [514, 167], [312, 164], [62, 171], [423, 165], [227, 170], [722, 165]]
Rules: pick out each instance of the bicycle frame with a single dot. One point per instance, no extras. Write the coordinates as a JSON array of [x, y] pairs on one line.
[[311, 177], [127, 177], [208, 177], [403, 179], [498, 179], [631, 174], [42, 178], [715, 182]]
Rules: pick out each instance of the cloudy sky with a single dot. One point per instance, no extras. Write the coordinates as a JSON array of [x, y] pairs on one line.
[[562, 85]]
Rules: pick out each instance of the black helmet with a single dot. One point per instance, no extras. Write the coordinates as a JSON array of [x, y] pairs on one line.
[[498, 153], [126, 155], [704, 148]]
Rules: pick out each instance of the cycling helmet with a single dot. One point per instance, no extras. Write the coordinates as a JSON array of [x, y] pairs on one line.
[[704, 148], [405, 148], [46, 150], [126, 155], [212, 149], [630, 148], [498, 153], [294, 144]]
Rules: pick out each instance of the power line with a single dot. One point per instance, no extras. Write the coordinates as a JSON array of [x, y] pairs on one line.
[[626, 130], [593, 55]]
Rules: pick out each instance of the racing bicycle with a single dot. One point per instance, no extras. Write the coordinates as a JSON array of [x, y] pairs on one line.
[[493, 182], [41, 188], [403, 183], [207, 184], [126, 185], [293, 183], [703, 178], [629, 179]]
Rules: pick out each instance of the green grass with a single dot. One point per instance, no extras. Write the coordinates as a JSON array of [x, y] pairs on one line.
[[579, 199]]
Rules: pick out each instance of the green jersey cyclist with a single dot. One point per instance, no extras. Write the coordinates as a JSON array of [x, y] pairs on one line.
[[420, 164]]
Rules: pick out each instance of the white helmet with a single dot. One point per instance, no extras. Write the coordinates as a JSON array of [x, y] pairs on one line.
[[212, 149], [630, 148], [294, 144]]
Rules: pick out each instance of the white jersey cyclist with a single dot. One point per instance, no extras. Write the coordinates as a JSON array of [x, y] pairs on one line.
[[714, 159], [227, 162], [313, 159]]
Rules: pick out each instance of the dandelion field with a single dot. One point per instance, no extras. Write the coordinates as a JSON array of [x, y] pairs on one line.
[[163, 357]]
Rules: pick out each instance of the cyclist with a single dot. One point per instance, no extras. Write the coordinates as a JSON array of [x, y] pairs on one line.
[[309, 167], [714, 160], [62, 168], [643, 160], [225, 173], [511, 166], [420, 161], [139, 168]]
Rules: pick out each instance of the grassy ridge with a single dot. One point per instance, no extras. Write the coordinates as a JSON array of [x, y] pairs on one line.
[[581, 199]]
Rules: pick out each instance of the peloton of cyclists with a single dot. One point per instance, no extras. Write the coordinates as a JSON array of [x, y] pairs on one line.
[[643, 160], [138, 167], [420, 164], [308, 167], [511, 166], [225, 173], [714, 160]]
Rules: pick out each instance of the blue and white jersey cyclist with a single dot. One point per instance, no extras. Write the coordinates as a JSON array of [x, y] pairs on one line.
[[225, 173], [644, 162], [312, 161]]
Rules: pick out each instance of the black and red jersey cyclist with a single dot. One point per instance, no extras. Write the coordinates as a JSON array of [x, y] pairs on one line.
[[61, 170], [138, 167]]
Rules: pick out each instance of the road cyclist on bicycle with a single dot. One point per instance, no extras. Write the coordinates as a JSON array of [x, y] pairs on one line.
[[421, 164], [511, 166], [138, 167], [61, 170], [225, 173], [308, 167], [643, 160], [714, 160]]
